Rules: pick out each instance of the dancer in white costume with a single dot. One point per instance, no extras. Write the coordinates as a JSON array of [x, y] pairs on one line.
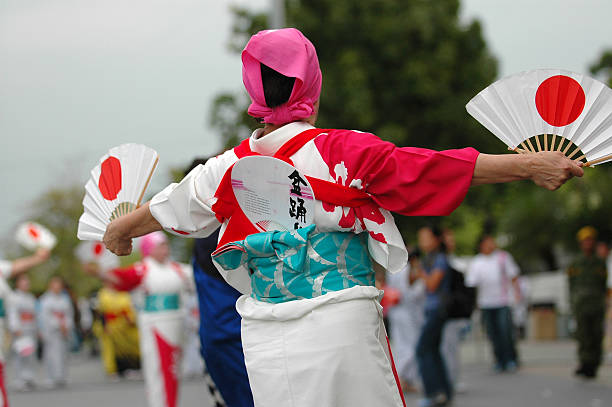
[[318, 339], [10, 269], [406, 320], [23, 328], [193, 364], [57, 323], [161, 321]]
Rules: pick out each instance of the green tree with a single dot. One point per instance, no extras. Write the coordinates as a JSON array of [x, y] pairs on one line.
[[604, 66]]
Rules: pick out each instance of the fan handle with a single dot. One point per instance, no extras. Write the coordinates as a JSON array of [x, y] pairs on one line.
[[147, 183]]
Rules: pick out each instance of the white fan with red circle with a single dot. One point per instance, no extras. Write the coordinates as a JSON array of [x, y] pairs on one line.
[[32, 236], [95, 252], [549, 110], [116, 187]]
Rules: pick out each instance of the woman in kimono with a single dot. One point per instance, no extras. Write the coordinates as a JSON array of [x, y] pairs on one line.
[[57, 324], [311, 321], [406, 320], [161, 320], [118, 331], [23, 328], [10, 269]]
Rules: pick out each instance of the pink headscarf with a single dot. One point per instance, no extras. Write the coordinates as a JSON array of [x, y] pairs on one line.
[[290, 53], [151, 241]]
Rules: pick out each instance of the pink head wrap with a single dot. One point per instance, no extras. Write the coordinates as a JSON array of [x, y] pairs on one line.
[[150, 242], [290, 53]]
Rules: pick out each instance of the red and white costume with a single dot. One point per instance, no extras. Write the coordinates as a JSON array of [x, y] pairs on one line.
[[411, 181], [160, 323], [57, 323]]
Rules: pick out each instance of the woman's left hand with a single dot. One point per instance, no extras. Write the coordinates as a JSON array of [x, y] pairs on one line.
[[116, 238]]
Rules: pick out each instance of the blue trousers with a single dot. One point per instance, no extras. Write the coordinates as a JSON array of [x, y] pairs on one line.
[[498, 324], [220, 338], [429, 358]]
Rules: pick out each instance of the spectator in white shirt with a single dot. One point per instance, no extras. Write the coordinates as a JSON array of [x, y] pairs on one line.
[[495, 273]]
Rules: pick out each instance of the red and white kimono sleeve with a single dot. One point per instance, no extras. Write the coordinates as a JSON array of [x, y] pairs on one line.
[[184, 208], [407, 180]]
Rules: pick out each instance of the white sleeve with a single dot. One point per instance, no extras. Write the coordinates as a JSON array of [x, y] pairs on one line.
[[511, 267], [12, 314], [6, 268], [471, 277], [185, 209], [187, 270], [69, 314]]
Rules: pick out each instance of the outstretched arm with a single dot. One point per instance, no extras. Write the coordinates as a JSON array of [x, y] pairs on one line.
[[547, 169], [121, 231], [23, 264]]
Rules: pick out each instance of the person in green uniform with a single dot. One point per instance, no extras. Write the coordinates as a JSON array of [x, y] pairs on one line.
[[587, 278]]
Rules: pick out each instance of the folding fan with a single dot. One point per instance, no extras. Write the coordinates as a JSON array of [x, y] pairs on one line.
[[549, 110], [116, 187], [32, 235], [272, 194], [95, 252]]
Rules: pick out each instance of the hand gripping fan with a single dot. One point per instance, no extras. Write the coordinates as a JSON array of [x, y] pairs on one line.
[[116, 187], [95, 252], [272, 194], [32, 235], [549, 110]]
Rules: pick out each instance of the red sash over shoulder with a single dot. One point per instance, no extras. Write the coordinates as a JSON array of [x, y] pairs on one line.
[[239, 226]]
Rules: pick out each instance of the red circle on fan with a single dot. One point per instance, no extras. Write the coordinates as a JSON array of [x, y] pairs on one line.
[[97, 249], [110, 178], [34, 233], [560, 100]]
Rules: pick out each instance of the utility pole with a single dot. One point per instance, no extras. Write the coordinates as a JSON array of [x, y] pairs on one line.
[[277, 14]]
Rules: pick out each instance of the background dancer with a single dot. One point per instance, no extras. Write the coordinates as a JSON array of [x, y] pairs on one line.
[[57, 323], [406, 320], [161, 322], [10, 269], [23, 328]]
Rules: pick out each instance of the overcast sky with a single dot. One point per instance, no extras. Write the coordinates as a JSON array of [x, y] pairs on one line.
[[80, 76]]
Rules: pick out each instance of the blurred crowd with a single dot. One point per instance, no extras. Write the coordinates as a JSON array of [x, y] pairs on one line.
[[429, 309], [439, 298], [45, 330]]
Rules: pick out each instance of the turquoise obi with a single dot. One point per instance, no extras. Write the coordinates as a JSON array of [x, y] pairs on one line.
[[286, 266], [2, 310], [161, 302]]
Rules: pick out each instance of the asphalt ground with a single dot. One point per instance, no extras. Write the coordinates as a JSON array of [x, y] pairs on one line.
[[544, 380]]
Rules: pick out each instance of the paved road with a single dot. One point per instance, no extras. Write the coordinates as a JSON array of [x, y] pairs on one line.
[[544, 381], [88, 387]]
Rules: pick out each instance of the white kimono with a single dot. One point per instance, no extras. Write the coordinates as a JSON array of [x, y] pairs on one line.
[[22, 324], [330, 350], [193, 364], [161, 324], [57, 321], [406, 320]]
